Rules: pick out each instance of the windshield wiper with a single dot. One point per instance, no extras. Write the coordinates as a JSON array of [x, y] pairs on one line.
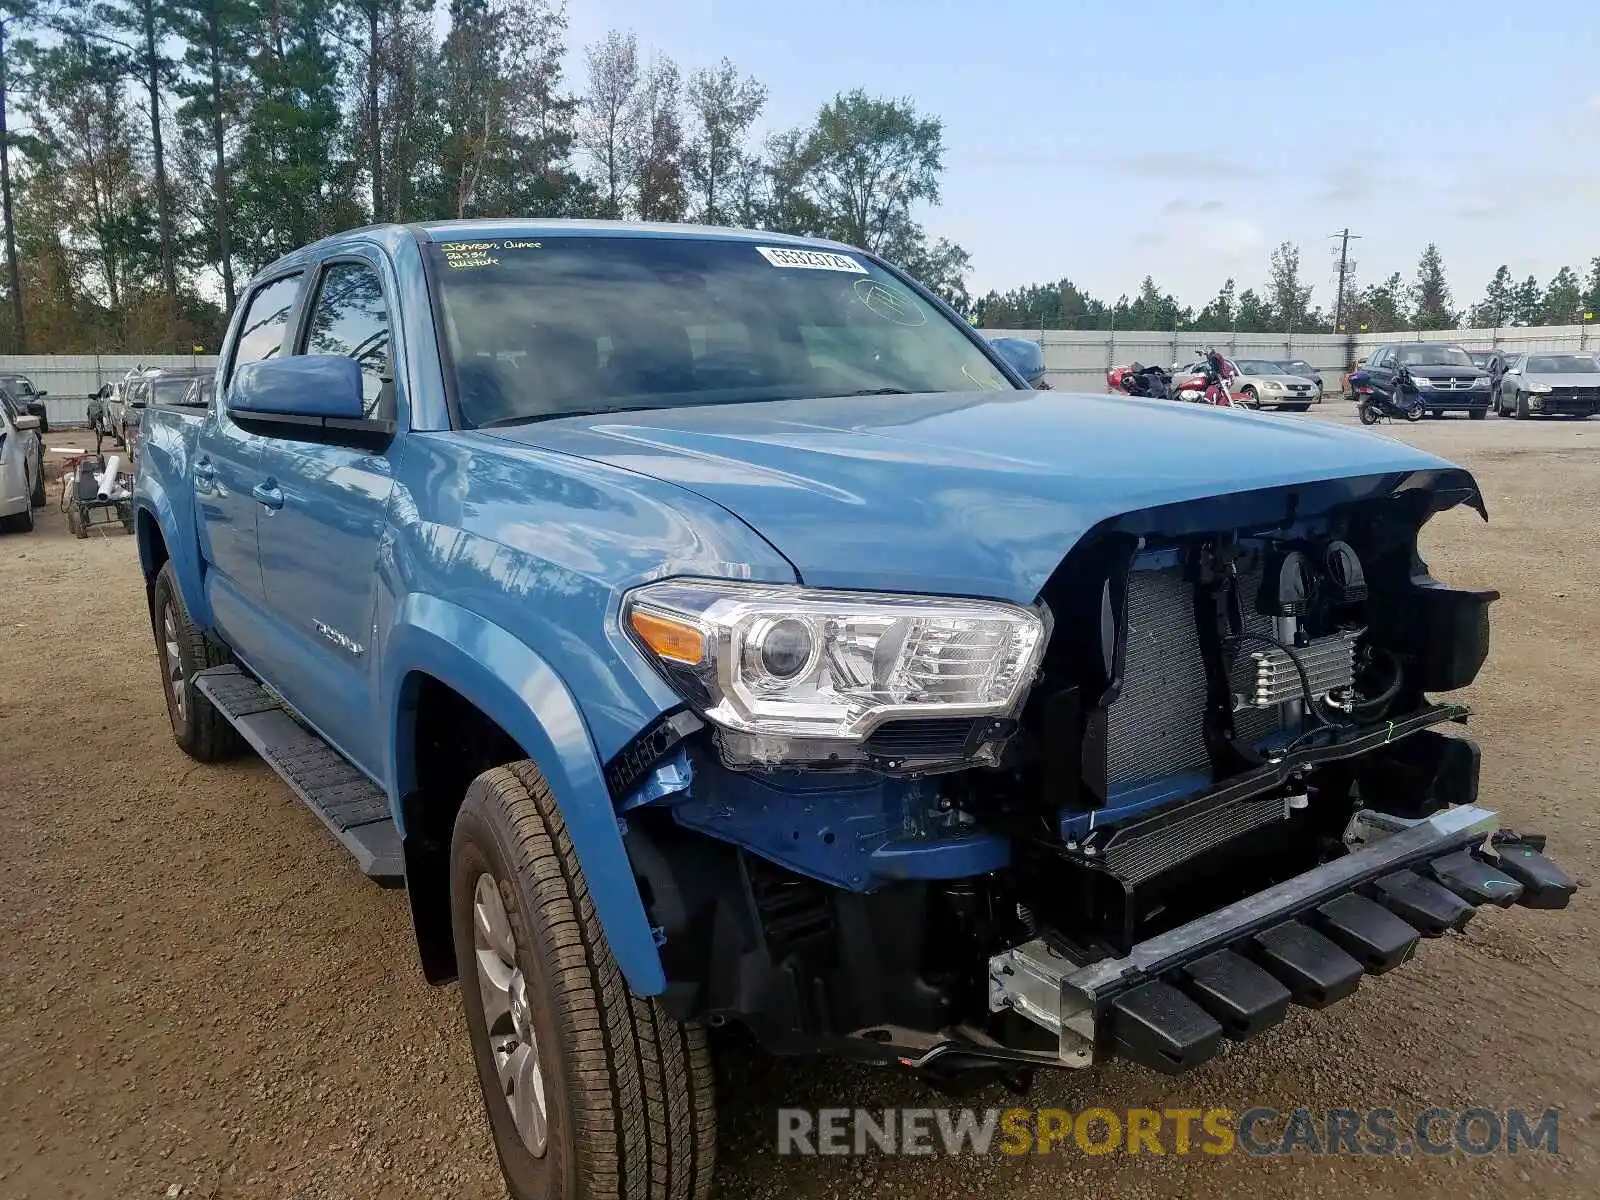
[[883, 391], [533, 418]]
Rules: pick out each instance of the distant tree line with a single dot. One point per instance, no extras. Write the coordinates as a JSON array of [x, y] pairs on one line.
[[159, 151], [1284, 304]]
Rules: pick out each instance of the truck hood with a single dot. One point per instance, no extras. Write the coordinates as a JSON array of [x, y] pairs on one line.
[[977, 494]]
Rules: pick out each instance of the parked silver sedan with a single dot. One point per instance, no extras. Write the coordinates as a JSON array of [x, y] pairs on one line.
[[1550, 385], [1263, 382], [21, 467]]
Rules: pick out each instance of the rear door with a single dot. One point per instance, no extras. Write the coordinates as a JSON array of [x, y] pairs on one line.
[[321, 529], [227, 465]]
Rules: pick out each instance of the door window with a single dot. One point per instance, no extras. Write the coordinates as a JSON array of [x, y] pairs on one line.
[[261, 331], [349, 318]]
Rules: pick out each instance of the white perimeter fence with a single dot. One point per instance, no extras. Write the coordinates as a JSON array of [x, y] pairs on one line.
[[1078, 360], [1075, 360]]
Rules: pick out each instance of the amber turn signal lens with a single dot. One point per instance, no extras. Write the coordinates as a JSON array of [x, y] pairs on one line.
[[675, 641]]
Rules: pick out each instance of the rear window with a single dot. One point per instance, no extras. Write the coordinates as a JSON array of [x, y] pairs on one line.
[[573, 325]]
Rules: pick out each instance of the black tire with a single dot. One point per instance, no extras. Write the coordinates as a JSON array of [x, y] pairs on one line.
[[630, 1113], [1521, 410], [1436, 413], [1251, 398], [21, 522], [38, 499], [1477, 414], [199, 729], [1295, 407], [1367, 413]]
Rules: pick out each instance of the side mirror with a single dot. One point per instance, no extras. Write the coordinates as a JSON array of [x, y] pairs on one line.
[[1022, 356], [24, 423], [308, 397]]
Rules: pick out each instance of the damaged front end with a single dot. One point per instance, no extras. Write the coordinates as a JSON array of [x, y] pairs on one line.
[[1205, 776]]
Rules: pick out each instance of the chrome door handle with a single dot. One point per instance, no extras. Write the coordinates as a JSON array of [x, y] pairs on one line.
[[268, 494]]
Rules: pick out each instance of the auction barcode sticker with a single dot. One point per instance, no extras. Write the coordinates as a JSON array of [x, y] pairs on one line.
[[809, 260]]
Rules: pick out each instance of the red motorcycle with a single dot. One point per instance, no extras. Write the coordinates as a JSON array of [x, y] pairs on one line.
[[1135, 379], [1209, 383]]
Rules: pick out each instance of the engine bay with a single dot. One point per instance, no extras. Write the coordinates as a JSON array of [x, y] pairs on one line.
[[1212, 708]]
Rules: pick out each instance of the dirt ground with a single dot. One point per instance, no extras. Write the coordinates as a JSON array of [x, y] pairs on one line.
[[201, 996]]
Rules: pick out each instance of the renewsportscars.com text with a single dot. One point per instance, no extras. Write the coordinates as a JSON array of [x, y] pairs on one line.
[[1215, 1131]]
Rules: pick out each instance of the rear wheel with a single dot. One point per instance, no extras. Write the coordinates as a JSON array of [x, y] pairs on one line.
[[592, 1094], [1367, 413], [197, 727]]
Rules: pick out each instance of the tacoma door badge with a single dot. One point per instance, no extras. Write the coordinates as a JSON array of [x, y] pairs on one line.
[[348, 645]]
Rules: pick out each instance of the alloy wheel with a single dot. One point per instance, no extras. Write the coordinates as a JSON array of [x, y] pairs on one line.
[[507, 1015]]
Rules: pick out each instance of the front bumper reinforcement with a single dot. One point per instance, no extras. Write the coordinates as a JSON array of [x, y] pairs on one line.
[[1232, 973]]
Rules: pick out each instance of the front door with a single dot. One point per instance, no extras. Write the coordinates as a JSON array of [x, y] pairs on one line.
[[226, 466], [320, 519]]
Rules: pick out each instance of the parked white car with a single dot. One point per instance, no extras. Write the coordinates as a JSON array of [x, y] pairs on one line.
[[21, 467]]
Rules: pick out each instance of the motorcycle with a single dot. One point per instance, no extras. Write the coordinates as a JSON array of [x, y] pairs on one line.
[[1136, 379], [1209, 383], [1403, 402]]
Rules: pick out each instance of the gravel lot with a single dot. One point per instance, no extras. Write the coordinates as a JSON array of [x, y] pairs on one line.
[[198, 991]]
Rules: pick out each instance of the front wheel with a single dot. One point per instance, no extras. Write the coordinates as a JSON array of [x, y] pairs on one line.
[[1414, 413], [1251, 399], [37, 498], [1478, 414], [592, 1094]]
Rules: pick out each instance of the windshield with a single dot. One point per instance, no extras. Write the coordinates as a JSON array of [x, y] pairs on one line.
[[1562, 364], [580, 325], [1259, 366], [1298, 367], [17, 385], [1434, 356]]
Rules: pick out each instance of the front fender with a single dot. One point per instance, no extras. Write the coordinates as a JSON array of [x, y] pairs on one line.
[[517, 689]]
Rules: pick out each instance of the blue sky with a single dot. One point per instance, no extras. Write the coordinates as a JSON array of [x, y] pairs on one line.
[[1107, 141]]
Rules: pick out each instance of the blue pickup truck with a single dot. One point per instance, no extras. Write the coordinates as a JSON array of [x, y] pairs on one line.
[[710, 627]]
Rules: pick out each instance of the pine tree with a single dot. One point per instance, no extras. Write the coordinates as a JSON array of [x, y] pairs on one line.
[[1431, 295]]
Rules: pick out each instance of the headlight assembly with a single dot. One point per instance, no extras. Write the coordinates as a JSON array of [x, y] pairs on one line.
[[793, 674], [1422, 381]]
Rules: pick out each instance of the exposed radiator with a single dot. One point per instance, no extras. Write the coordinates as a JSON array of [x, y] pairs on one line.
[[1143, 852], [1155, 728]]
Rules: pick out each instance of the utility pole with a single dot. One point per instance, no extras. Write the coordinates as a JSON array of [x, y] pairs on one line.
[[1344, 236]]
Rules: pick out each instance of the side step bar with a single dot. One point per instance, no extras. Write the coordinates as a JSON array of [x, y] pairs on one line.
[[1232, 973], [354, 809]]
